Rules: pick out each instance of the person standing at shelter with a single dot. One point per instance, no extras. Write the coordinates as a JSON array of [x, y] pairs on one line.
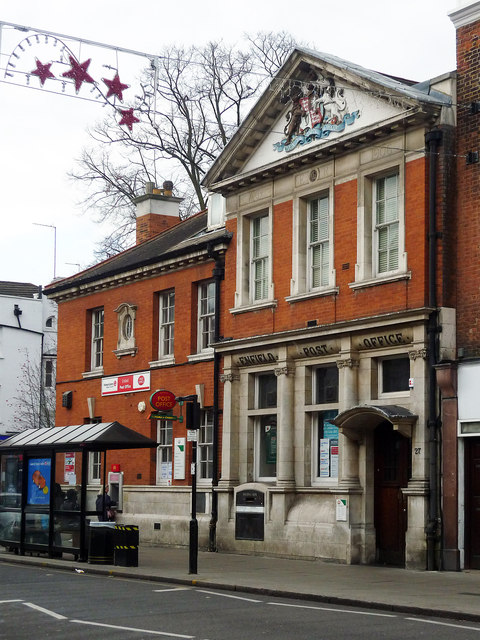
[[103, 506]]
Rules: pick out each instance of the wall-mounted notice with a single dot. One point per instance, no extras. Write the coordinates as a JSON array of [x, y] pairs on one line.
[[341, 510], [179, 459]]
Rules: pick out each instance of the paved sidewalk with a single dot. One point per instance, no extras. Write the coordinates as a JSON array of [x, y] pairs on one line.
[[448, 594]]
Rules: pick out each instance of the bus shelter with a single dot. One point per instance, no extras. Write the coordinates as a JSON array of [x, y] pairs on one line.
[[44, 505]]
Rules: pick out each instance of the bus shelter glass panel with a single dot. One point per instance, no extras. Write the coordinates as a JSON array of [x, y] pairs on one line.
[[67, 499], [39, 494], [11, 469]]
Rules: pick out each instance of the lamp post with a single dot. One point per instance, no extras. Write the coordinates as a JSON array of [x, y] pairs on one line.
[[51, 226]]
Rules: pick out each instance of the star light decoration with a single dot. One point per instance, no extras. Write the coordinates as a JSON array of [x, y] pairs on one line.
[[42, 71], [115, 87], [128, 118], [78, 72]]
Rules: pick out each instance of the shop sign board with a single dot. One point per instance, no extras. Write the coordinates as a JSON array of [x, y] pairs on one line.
[[128, 383], [316, 348], [255, 359], [379, 340], [163, 400]]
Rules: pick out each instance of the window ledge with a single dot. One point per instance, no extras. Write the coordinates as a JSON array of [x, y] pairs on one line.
[[388, 395], [258, 306], [164, 362], [297, 297], [200, 357], [95, 373], [372, 282], [131, 351]]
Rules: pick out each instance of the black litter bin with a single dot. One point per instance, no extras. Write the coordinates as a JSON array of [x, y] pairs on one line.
[[101, 542], [250, 515], [126, 545]]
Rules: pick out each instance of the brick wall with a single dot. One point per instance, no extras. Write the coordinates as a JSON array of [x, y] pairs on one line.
[[349, 303], [152, 224], [181, 378], [468, 209]]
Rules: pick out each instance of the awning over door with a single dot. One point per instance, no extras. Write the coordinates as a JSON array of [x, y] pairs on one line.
[[102, 436], [353, 422]]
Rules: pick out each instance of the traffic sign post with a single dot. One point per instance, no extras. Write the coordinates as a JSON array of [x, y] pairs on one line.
[[192, 422]]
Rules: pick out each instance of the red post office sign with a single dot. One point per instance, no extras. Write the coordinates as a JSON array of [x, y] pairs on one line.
[[163, 400]]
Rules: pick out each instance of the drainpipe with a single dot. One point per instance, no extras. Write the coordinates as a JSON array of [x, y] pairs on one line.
[[41, 390], [433, 139], [218, 275]]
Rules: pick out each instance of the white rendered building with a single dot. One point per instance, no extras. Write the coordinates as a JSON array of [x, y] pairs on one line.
[[28, 351]]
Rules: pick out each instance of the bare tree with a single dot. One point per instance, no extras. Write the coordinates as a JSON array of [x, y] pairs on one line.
[[191, 102], [35, 403], [270, 50]]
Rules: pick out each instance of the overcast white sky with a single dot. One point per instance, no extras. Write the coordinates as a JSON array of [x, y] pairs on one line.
[[41, 133]]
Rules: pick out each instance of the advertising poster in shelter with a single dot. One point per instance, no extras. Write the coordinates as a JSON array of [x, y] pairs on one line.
[[39, 473]]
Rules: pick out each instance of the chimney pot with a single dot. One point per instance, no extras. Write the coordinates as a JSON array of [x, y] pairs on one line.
[[157, 210]]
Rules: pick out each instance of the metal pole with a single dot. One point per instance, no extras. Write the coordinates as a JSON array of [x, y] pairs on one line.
[[51, 226], [193, 553], [192, 415], [21, 27]]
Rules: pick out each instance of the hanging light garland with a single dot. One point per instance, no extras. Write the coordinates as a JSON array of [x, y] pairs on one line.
[[77, 74]]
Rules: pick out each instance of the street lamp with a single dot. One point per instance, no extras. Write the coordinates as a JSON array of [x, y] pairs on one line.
[[51, 226]]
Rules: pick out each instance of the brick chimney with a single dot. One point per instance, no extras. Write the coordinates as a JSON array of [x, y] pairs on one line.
[[157, 211]]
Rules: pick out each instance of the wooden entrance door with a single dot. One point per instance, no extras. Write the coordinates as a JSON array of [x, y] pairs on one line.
[[472, 503], [392, 458]]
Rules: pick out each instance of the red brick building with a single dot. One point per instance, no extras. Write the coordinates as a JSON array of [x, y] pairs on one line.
[[338, 304], [141, 321], [459, 378], [336, 311]]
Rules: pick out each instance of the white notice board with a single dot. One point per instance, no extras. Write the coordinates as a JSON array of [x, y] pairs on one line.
[[179, 459]]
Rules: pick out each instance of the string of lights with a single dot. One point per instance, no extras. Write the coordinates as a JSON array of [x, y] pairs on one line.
[[243, 127], [278, 80], [278, 83]]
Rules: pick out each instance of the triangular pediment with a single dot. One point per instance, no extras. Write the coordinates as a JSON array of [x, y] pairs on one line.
[[317, 105]]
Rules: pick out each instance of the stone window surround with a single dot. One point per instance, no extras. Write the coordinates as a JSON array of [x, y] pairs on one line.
[[365, 269], [299, 286], [243, 293], [126, 345]]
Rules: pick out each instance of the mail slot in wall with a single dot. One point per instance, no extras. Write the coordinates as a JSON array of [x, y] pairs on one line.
[[250, 515]]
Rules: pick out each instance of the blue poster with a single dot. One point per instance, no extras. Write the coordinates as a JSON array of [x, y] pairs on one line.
[[39, 481]]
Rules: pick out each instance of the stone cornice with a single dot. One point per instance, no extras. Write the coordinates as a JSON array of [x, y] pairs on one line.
[[465, 15], [133, 275]]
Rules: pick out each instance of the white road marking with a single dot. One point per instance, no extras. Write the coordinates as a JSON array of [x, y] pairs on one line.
[[47, 611], [114, 626], [358, 613], [7, 601], [175, 589], [444, 624], [227, 595]]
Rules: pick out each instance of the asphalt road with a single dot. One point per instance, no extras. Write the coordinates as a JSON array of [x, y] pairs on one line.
[[44, 603]]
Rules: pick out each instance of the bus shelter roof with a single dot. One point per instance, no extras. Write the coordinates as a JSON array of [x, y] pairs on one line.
[[101, 436]]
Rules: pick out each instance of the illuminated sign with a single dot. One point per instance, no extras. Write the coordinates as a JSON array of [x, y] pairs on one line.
[[163, 400]]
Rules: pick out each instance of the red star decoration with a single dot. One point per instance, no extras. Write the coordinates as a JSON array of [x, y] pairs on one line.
[[128, 118], [42, 71], [78, 72], [115, 87]]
